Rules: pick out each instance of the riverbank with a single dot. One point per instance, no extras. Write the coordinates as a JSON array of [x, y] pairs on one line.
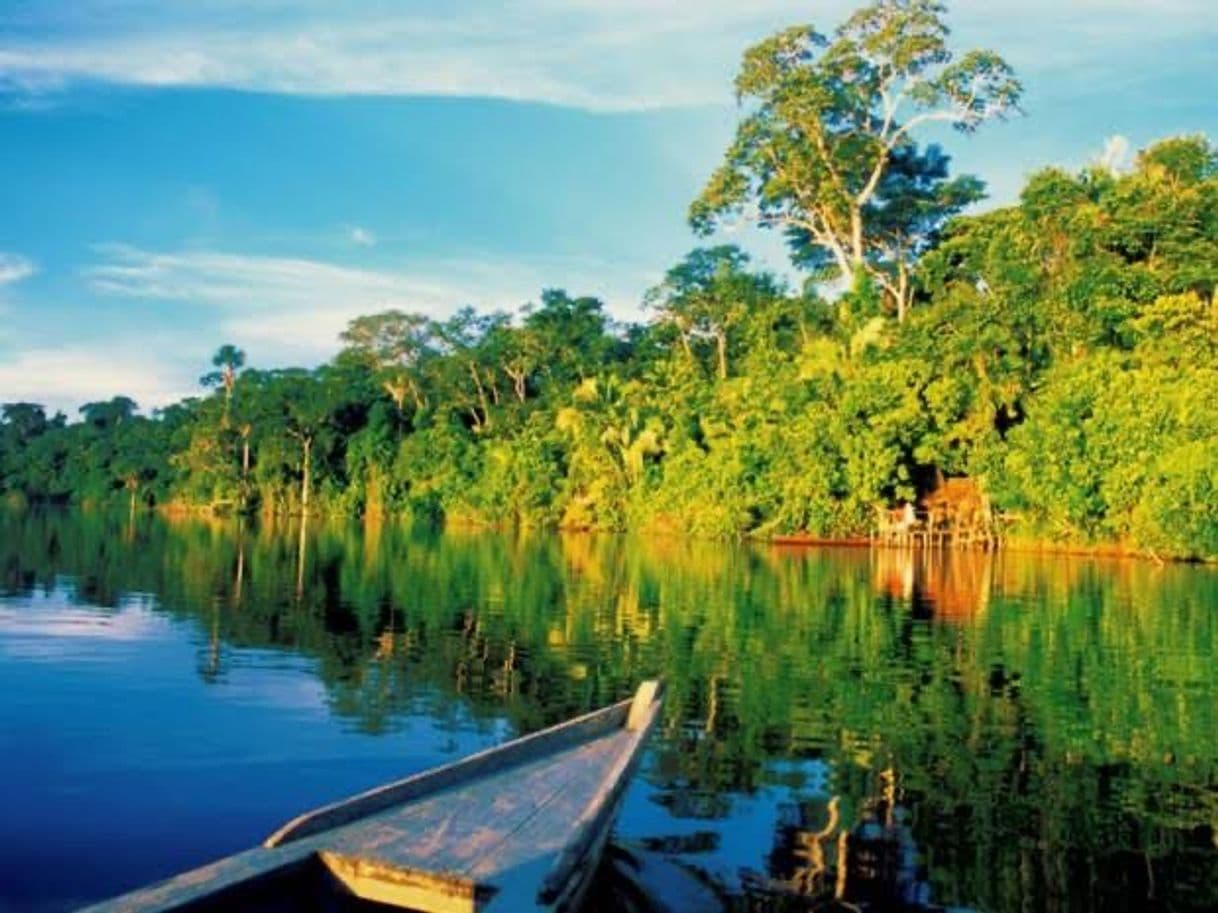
[[1028, 545], [1018, 545]]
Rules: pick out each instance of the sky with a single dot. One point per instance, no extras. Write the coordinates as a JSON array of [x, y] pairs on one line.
[[179, 174]]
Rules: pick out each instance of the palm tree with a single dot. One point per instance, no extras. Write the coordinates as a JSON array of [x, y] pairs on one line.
[[228, 360]]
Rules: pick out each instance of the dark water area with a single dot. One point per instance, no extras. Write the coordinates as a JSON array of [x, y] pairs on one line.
[[996, 733]]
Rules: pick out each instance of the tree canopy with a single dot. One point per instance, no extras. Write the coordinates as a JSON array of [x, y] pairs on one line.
[[1059, 350], [826, 148]]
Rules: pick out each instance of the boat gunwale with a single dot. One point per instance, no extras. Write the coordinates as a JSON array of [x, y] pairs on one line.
[[583, 728], [203, 887], [299, 843], [593, 826]]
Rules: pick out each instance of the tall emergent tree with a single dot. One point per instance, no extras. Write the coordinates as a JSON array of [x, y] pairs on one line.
[[397, 345], [708, 295], [110, 413], [825, 150], [24, 420], [228, 360], [302, 404]]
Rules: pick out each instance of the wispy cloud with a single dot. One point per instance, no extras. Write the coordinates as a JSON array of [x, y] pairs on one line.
[[297, 307], [247, 281], [64, 377], [14, 268], [282, 310], [594, 54], [383, 53]]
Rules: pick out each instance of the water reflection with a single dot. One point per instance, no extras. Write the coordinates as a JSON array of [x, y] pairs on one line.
[[948, 586], [842, 727]]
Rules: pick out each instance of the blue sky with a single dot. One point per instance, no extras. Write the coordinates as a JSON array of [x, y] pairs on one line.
[[176, 174]]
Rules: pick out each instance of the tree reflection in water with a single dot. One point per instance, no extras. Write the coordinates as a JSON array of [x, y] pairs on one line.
[[992, 731], [823, 863]]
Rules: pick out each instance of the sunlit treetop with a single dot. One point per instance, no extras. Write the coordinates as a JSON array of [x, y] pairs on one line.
[[826, 141]]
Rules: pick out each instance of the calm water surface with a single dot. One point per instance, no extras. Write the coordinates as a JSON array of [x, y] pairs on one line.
[[1001, 734]]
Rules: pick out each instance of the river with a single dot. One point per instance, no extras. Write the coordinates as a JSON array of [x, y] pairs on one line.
[[1022, 732]]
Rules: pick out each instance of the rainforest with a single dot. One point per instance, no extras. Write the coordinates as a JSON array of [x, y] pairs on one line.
[[1061, 351]]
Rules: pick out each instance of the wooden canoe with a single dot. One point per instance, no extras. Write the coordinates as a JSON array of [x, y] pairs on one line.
[[518, 827]]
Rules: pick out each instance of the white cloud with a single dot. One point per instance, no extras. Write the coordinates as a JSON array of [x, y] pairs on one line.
[[364, 237], [393, 57], [594, 54], [281, 310], [293, 309], [14, 268], [64, 377], [298, 306], [240, 280]]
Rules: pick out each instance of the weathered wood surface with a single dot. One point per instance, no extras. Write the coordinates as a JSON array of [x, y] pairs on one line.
[[519, 827], [545, 742], [574, 865], [504, 832]]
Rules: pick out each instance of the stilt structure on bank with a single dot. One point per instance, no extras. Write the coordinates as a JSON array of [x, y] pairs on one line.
[[957, 514]]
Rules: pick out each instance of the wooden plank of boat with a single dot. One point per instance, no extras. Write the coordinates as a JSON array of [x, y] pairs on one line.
[[518, 827]]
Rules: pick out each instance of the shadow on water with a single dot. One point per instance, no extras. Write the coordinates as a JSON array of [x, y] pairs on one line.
[[843, 729]]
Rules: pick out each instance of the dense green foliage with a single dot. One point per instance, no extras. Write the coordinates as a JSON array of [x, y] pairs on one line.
[[1060, 350]]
